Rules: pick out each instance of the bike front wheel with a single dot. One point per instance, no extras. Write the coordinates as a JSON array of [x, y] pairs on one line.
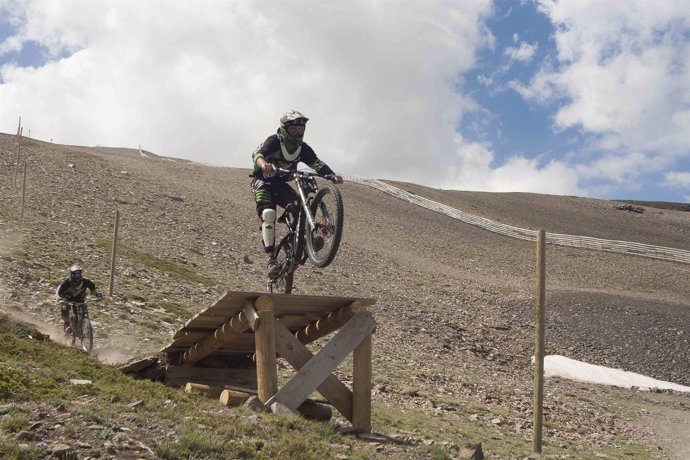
[[283, 283], [86, 335], [72, 337], [323, 240]]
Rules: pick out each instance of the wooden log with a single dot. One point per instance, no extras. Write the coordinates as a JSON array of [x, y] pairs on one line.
[[266, 368], [178, 376], [328, 323], [201, 389], [472, 452], [224, 334], [315, 372], [252, 316], [361, 386], [297, 355], [313, 410], [233, 398]]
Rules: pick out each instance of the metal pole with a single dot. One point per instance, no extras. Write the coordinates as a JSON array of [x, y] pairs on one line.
[[539, 345], [21, 216], [112, 258]]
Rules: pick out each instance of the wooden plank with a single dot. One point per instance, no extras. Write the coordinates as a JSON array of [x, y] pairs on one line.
[[307, 379], [177, 376], [361, 386], [266, 370], [297, 355], [231, 329], [298, 310]]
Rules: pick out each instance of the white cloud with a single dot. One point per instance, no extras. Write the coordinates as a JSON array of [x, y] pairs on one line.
[[624, 76], [208, 80], [474, 171], [523, 53], [678, 179]]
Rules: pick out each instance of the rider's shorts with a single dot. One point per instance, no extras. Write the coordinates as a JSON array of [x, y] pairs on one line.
[[271, 192]]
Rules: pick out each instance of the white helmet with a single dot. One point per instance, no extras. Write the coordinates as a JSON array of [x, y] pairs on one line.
[[292, 125], [75, 272]]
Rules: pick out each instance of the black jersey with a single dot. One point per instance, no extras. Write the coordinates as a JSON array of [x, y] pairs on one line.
[[75, 293], [275, 152]]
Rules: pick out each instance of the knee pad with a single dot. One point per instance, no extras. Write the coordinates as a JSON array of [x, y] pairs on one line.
[[268, 218]]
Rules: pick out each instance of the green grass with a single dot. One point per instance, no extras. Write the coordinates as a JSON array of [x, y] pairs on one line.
[[169, 267], [34, 377], [35, 381]]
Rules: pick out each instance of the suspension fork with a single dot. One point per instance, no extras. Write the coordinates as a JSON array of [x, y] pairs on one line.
[[305, 206]]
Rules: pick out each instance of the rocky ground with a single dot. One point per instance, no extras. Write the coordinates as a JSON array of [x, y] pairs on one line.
[[454, 302]]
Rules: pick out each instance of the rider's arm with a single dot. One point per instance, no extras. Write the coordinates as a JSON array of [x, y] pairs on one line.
[[310, 159], [60, 293], [264, 151], [92, 287]]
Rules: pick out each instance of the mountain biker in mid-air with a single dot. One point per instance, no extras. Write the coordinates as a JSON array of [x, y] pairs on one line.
[[281, 150], [73, 289]]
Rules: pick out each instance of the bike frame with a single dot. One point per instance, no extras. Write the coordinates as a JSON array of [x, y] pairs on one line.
[[303, 219], [78, 311]]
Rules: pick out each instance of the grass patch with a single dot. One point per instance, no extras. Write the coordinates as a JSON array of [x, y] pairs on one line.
[[173, 308], [34, 385], [16, 451], [168, 267]]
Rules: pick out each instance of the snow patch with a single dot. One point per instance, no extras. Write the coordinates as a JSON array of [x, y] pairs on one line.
[[560, 366]]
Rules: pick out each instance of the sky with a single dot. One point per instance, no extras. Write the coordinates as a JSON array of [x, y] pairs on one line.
[[568, 97]]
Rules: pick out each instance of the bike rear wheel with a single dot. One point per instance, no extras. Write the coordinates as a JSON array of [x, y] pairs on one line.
[[86, 335], [283, 283], [327, 209]]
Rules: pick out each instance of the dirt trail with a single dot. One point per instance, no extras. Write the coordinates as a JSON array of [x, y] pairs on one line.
[[668, 416], [11, 241]]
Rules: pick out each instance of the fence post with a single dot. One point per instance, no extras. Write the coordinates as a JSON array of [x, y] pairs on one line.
[[114, 252], [19, 149], [21, 215], [539, 345]]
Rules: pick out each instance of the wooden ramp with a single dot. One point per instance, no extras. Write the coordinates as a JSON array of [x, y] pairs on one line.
[[242, 324]]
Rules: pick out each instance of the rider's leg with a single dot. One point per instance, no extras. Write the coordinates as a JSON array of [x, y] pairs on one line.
[[268, 235], [268, 229], [266, 209], [64, 312]]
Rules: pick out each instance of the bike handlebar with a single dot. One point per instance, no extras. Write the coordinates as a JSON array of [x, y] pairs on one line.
[[282, 172]]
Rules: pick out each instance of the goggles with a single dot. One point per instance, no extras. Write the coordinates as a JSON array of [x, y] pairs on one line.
[[76, 276], [295, 131]]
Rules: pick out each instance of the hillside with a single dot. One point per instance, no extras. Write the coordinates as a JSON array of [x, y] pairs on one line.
[[454, 302]]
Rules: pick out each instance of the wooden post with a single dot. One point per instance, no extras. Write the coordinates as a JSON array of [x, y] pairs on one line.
[[361, 386], [19, 150], [266, 370], [21, 216], [114, 252], [539, 345]]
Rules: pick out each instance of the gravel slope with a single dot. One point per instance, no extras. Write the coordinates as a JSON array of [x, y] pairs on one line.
[[455, 302]]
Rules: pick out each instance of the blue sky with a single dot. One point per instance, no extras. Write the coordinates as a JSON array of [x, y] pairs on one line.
[[575, 97]]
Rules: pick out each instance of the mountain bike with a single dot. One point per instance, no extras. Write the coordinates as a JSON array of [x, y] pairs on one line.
[[80, 327], [314, 228]]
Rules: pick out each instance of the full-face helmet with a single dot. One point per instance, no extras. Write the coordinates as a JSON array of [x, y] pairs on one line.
[[292, 125], [75, 272]]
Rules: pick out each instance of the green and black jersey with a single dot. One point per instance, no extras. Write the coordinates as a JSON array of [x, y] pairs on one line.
[[75, 293], [277, 153]]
